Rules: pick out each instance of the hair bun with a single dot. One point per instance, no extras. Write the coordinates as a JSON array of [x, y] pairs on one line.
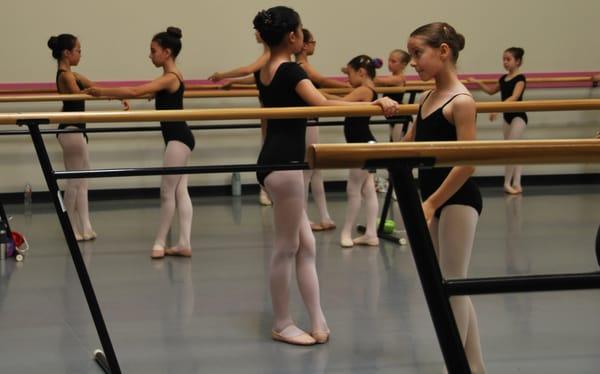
[[263, 20], [52, 42], [174, 31], [461, 41], [377, 62]]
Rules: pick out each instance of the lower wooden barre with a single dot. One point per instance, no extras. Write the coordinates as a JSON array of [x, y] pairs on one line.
[[568, 151]]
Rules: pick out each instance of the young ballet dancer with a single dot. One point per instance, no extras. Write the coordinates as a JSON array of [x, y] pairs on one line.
[[66, 49], [451, 201], [168, 94], [511, 87], [244, 70], [361, 73], [397, 62], [244, 74], [282, 83], [313, 178]]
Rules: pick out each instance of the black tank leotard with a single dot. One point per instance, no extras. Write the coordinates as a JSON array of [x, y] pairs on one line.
[[437, 128], [72, 106], [506, 90], [285, 139], [174, 130], [404, 120], [356, 129]]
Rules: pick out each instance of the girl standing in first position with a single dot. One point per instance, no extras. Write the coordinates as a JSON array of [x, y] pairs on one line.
[[451, 201]]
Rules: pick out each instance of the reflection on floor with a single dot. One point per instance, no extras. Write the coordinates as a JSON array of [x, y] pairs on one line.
[[211, 314]]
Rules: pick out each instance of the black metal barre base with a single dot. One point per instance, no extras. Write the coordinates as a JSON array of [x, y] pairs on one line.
[[438, 291], [235, 126], [428, 268], [100, 359], [526, 283], [73, 246], [208, 169]]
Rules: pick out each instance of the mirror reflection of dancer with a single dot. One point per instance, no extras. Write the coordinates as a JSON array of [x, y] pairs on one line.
[[511, 87], [451, 201], [168, 92], [282, 83], [245, 76]]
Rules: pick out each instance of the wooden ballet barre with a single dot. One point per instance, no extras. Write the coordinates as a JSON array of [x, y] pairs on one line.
[[237, 86], [272, 113], [426, 84], [497, 152], [187, 94]]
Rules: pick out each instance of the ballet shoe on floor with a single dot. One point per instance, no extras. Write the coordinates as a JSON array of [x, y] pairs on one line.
[[157, 254], [301, 339], [178, 252], [363, 240], [323, 226], [264, 199], [321, 337], [91, 236], [86, 237], [346, 243]]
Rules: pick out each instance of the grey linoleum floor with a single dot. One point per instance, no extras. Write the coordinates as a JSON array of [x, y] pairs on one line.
[[212, 314]]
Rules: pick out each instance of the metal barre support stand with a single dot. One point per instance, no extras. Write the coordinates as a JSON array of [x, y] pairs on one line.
[[439, 290], [107, 359], [428, 268]]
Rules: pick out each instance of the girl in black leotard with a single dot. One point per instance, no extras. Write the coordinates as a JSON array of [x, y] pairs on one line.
[[168, 93], [397, 62], [66, 49], [245, 75], [361, 184], [313, 179], [511, 87], [282, 83], [451, 201]]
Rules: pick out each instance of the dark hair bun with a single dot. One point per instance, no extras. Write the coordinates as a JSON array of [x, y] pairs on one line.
[[174, 31], [460, 41], [263, 20], [377, 63], [274, 23], [52, 42]]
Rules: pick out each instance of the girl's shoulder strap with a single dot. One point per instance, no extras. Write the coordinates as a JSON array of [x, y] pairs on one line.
[[453, 97], [177, 75]]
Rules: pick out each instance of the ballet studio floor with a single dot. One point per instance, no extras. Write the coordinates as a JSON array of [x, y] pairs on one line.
[[212, 313]]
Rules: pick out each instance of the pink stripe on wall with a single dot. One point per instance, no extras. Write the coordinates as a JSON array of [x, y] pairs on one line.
[[51, 85]]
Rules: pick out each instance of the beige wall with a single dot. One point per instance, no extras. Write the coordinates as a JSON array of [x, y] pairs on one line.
[[557, 36]]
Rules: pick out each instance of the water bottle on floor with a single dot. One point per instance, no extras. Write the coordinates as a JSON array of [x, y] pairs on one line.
[[236, 184], [27, 199], [3, 244]]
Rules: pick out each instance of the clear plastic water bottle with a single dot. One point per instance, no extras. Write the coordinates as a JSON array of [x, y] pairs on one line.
[[27, 198], [236, 184]]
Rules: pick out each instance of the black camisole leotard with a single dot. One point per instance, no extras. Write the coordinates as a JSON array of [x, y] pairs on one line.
[[72, 106], [285, 138], [356, 129], [435, 127], [174, 130], [404, 120], [506, 90]]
